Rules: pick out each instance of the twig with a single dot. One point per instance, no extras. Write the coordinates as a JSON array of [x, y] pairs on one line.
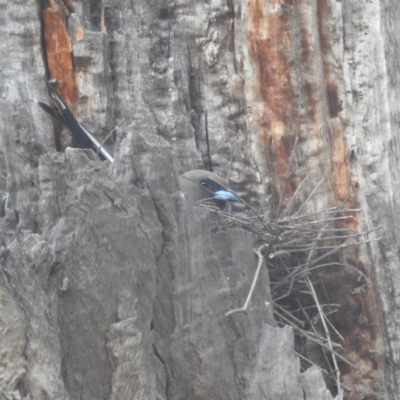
[[325, 221], [342, 246], [307, 335], [315, 330], [333, 210], [348, 236], [340, 265], [309, 361], [231, 162], [101, 144], [310, 196], [253, 285], [328, 336], [289, 209], [301, 323], [287, 175], [316, 230], [332, 326], [299, 242]]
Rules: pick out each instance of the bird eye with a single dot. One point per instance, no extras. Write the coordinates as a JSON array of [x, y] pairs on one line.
[[204, 183]]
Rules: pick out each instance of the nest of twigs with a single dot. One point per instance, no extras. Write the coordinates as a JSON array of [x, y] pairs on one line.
[[295, 244]]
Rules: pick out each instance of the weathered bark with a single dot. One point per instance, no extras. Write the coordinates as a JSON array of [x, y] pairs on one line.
[[113, 284]]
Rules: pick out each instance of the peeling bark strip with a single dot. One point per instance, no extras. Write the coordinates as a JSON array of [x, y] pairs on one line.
[[59, 54], [270, 43], [275, 30], [335, 128]]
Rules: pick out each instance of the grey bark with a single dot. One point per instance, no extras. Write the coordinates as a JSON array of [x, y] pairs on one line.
[[113, 285]]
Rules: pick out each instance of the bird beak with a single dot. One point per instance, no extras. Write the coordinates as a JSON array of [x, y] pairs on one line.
[[225, 195]]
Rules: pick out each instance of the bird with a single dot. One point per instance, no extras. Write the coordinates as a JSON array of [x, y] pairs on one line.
[[208, 188], [201, 185], [83, 137]]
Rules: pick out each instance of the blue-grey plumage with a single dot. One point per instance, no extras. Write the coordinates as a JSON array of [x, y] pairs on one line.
[[83, 137], [207, 187], [227, 196]]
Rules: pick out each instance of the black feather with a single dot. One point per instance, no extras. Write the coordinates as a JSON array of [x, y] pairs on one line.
[[59, 117], [84, 138]]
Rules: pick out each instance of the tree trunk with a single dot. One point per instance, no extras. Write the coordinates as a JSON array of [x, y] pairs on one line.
[[113, 284]]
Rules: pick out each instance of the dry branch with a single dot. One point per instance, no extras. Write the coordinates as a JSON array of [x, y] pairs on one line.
[[296, 244]]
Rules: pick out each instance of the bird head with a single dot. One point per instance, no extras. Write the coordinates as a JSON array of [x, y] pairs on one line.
[[207, 187]]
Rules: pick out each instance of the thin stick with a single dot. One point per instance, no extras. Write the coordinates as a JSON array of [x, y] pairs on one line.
[[317, 230], [231, 162], [287, 293], [314, 334], [289, 209], [314, 306], [343, 204], [333, 210], [309, 361], [286, 176], [323, 350], [331, 325], [303, 249], [253, 285], [340, 265], [307, 335], [101, 144], [325, 221], [301, 323], [345, 244], [310, 196], [349, 236], [328, 336], [348, 183]]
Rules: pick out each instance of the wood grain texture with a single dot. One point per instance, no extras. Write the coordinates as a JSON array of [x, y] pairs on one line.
[[113, 285]]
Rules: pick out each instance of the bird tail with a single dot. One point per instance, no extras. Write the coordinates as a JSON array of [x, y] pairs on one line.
[[82, 136]]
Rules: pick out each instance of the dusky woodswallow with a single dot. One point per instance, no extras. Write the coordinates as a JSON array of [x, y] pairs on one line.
[[201, 185]]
